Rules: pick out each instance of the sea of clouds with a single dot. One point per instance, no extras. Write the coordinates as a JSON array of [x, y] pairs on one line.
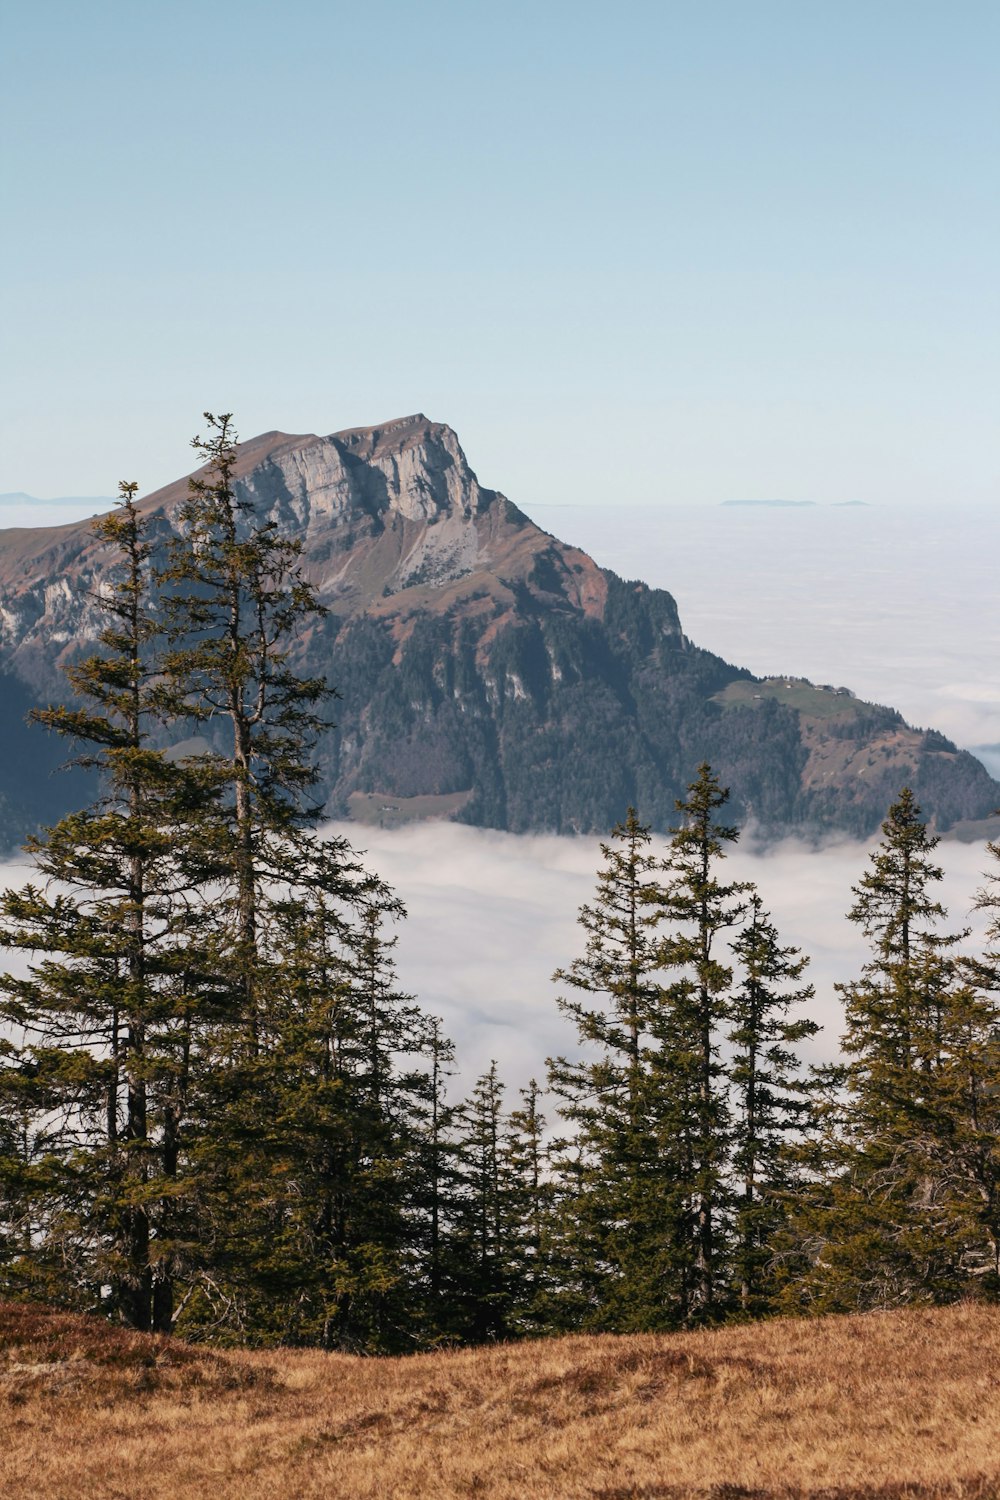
[[492, 915]]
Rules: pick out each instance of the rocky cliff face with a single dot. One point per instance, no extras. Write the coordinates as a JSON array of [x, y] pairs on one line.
[[485, 669]]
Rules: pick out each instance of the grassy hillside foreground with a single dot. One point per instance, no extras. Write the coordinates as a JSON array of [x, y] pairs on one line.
[[895, 1405]]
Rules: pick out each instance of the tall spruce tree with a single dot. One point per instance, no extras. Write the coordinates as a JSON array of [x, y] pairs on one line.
[[435, 1190], [907, 1212], [235, 600], [317, 1143], [311, 1109], [701, 909], [886, 1009], [482, 1231], [619, 1204], [238, 598], [531, 1199], [770, 1098], [100, 1068]]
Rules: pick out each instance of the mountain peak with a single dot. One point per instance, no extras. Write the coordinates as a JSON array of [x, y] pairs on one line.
[[399, 432], [426, 471], [410, 465]]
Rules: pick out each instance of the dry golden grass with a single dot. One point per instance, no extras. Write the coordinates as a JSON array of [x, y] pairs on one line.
[[902, 1406]]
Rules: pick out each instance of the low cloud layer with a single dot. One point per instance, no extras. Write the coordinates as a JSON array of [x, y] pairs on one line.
[[492, 915]]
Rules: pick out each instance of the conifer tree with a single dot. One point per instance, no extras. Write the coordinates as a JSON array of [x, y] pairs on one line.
[[769, 1097], [892, 1026], [316, 1142], [435, 1184], [700, 909], [237, 598], [906, 1212], [98, 1013], [886, 1010], [616, 1244], [482, 1219], [531, 1201]]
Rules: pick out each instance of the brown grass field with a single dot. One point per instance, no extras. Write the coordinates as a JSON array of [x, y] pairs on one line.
[[901, 1406]]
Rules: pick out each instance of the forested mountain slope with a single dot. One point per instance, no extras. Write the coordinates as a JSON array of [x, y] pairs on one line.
[[485, 670]]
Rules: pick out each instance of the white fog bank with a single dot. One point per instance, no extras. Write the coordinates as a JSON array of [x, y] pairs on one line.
[[492, 915]]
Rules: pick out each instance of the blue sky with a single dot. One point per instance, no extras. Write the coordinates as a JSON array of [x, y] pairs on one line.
[[633, 253]]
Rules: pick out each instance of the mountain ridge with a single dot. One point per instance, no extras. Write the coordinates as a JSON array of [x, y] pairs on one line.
[[487, 670]]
